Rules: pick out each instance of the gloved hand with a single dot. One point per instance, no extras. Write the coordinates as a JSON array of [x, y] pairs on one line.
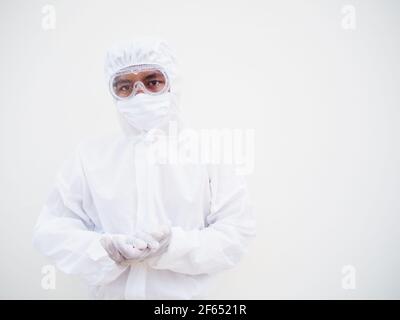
[[127, 249], [162, 235]]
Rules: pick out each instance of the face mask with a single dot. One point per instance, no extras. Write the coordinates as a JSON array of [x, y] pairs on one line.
[[144, 111]]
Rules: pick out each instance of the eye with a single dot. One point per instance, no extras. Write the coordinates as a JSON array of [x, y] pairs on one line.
[[154, 83], [123, 88]]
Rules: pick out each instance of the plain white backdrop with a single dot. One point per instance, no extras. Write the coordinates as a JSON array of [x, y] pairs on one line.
[[321, 94]]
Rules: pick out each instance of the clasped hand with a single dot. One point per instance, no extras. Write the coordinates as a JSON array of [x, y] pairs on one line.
[[126, 250]]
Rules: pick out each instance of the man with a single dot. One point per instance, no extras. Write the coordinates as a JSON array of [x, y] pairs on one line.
[[132, 228]]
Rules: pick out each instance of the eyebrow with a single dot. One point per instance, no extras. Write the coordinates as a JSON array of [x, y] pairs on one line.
[[152, 75], [121, 81]]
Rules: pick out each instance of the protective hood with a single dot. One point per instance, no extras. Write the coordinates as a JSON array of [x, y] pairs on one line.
[[144, 51]]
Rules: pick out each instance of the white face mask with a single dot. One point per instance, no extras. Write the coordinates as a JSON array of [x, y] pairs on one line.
[[144, 111]]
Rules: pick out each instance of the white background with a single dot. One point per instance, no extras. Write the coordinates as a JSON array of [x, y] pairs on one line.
[[324, 102]]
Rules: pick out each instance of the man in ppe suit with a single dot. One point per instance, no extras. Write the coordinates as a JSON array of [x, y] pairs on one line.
[[131, 228]]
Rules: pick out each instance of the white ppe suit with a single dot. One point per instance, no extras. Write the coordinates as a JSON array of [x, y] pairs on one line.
[[108, 187]]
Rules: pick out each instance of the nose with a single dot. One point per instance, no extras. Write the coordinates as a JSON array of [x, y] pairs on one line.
[[138, 88]]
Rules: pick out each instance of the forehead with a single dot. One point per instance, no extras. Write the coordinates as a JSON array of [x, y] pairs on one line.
[[142, 75], [140, 68]]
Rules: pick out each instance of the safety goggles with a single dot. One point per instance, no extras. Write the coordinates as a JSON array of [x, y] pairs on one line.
[[144, 78]]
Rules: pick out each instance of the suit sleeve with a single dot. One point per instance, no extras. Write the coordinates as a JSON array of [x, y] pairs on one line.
[[65, 233], [229, 227]]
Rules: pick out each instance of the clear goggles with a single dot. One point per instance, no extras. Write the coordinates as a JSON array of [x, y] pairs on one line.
[[144, 78]]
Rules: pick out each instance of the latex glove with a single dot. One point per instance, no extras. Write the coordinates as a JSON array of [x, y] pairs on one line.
[[122, 248], [126, 250], [162, 235]]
